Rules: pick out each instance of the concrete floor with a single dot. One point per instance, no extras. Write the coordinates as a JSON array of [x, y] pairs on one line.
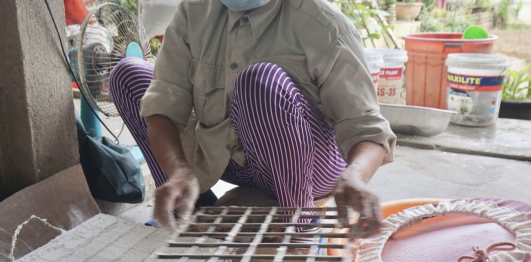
[[509, 138], [432, 172], [418, 173]]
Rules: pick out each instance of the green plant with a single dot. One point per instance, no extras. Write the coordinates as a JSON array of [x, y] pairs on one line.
[[428, 23], [513, 89], [484, 4], [362, 16], [517, 26], [155, 44], [460, 24], [439, 13], [429, 5], [502, 11], [518, 9], [390, 2], [127, 4]]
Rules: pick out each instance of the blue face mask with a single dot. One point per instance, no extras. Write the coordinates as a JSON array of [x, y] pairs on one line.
[[244, 5]]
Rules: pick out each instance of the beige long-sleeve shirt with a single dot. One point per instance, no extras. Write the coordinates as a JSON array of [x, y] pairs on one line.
[[207, 45]]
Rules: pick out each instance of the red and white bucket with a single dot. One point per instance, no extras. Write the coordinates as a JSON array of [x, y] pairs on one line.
[[390, 80], [374, 62]]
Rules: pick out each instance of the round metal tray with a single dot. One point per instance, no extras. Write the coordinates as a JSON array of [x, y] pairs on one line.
[[416, 120]]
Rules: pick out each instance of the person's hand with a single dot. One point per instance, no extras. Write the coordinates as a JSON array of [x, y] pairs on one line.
[[180, 191], [352, 192]]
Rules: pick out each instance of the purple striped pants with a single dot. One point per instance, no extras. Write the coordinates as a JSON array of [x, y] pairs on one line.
[[291, 151]]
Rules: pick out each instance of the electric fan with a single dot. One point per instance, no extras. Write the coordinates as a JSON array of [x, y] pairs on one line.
[[109, 34]]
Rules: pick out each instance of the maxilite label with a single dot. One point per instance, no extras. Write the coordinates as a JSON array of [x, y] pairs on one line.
[[475, 83]]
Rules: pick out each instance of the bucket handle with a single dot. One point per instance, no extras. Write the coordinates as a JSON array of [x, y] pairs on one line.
[[458, 46], [503, 70]]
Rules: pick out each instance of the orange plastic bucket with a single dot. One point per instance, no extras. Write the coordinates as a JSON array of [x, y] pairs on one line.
[[425, 73]]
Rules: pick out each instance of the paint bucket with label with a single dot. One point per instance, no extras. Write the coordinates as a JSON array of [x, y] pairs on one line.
[[390, 81], [374, 62], [426, 72], [475, 84]]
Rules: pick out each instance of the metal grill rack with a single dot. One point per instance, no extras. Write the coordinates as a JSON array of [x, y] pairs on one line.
[[253, 233]]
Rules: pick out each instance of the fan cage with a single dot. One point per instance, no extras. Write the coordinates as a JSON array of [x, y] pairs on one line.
[[103, 39]]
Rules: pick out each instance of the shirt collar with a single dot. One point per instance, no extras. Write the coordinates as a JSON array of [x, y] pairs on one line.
[[259, 18]]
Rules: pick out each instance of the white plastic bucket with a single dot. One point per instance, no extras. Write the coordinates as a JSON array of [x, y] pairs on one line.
[[390, 80], [475, 84], [157, 14], [374, 62]]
